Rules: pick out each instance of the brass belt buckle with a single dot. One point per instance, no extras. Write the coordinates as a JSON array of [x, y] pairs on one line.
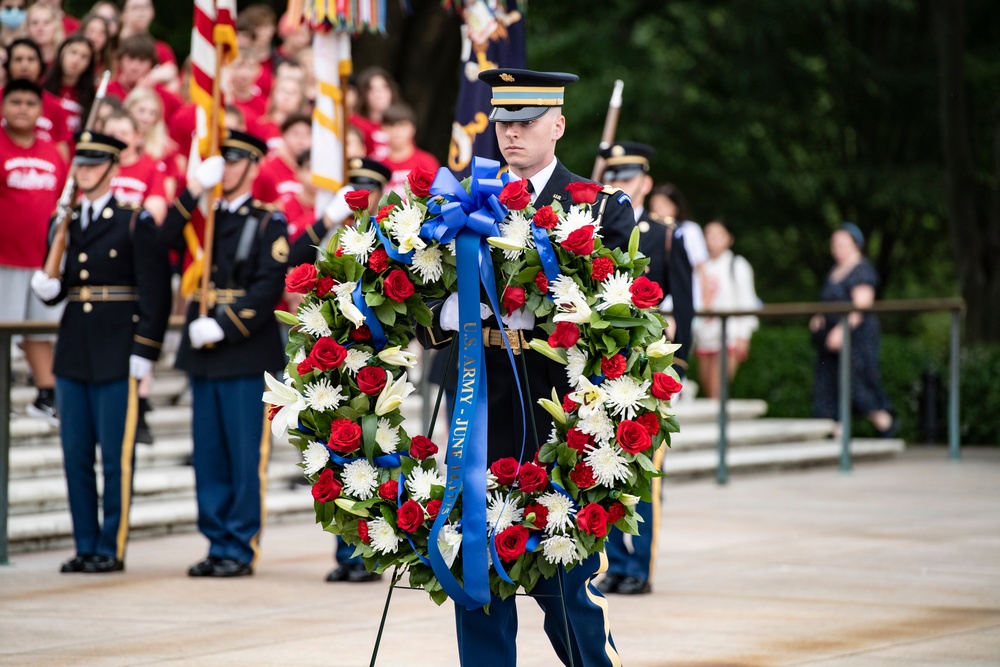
[[85, 293]]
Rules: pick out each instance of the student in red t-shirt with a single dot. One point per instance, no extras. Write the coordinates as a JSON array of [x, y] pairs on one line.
[[71, 78], [24, 61], [32, 173], [136, 58], [294, 36], [287, 98], [45, 28], [98, 32], [400, 125], [260, 23], [377, 91], [137, 16], [144, 106], [141, 180], [277, 181], [243, 89]]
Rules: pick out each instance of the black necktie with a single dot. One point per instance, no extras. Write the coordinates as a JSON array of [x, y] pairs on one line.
[[531, 188]]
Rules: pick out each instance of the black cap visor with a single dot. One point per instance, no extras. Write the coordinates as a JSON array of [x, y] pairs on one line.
[[623, 172], [517, 114], [88, 159]]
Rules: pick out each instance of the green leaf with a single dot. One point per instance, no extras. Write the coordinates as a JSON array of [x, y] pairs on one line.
[[373, 298], [369, 425], [361, 404]]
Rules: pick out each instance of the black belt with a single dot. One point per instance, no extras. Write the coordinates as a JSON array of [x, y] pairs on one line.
[[518, 339], [103, 293]]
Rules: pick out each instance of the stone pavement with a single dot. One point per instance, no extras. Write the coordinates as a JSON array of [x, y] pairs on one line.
[[897, 563]]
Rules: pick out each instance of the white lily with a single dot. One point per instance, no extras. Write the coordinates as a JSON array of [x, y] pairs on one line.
[[661, 348], [348, 505], [589, 396], [396, 356], [449, 542], [542, 347], [351, 312], [392, 395], [504, 244], [412, 242], [554, 407], [288, 399], [572, 309], [628, 500]]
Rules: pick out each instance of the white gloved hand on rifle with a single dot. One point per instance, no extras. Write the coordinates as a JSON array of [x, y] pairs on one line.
[[209, 173], [139, 367], [204, 331], [45, 287]]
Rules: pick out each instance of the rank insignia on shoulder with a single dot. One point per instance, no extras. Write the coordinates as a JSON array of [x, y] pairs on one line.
[[624, 198], [279, 250]]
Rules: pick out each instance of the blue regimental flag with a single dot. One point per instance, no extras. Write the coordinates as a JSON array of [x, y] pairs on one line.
[[492, 36]]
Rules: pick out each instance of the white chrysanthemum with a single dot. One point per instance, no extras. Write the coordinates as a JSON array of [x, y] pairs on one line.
[[624, 395], [516, 228], [356, 360], [608, 464], [559, 550], [576, 217], [358, 245], [576, 361], [322, 395], [560, 509], [598, 424], [404, 226], [420, 482], [345, 290], [427, 262], [382, 536], [312, 320], [360, 479], [502, 511], [315, 457], [565, 288], [452, 247], [615, 290], [387, 436]]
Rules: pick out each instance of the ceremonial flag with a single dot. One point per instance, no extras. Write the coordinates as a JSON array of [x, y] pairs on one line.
[[493, 36], [332, 53]]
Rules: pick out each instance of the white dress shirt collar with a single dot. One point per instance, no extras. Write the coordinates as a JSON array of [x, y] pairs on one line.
[[95, 206]]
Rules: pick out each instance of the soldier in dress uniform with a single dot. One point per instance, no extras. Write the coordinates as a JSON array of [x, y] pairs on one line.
[[227, 351], [529, 123], [632, 558], [117, 284]]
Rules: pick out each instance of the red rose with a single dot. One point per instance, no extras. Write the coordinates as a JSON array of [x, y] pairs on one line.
[[578, 440], [397, 286], [371, 379], [420, 181], [545, 218], [361, 333], [339, 252], [324, 286], [511, 542], [327, 353], [645, 293], [421, 447], [650, 422], [664, 387], [384, 212], [357, 200], [583, 475], [542, 282], [345, 436], [616, 512], [389, 491], [515, 195], [327, 487], [301, 279], [565, 335], [433, 507], [505, 470], [568, 404], [601, 268], [513, 298], [411, 516], [379, 260], [532, 478], [305, 366], [581, 241], [363, 532], [541, 513], [613, 367], [633, 436], [593, 519], [584, 192]]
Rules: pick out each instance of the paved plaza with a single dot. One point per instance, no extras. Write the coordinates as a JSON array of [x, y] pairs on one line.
[[896, 563]]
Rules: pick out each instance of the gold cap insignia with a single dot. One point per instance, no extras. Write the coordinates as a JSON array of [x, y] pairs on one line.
[[355, 163], [618, 151], [506, 77], [86, 136]]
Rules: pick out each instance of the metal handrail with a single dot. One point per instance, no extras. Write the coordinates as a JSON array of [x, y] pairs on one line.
[[956, 306]]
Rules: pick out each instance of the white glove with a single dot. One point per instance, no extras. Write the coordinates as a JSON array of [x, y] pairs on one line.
[[449, 312], [209, 173], [337, 210], [44, 287], [203, 331], [139, 367], [522, 318]]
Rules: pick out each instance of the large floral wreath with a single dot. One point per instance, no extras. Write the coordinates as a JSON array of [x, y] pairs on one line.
[[379, 487]]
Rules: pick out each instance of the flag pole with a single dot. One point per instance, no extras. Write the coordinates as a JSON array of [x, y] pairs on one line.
[[215, 192]]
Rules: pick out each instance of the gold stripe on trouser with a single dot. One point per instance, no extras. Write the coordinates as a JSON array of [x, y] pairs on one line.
[[128, 447], [265, 454], [656, 488], [602, 602]]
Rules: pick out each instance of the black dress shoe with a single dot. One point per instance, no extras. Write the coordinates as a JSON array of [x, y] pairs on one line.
[[203, 568], [337, 574], [609, 584], [229, 567], [633, 586], [74, 564], [357, 574], [103, 565]]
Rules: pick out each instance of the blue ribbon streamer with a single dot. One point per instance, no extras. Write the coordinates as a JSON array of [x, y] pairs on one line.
[[378, 333], [393, 460], [547, 254], [390, 250]]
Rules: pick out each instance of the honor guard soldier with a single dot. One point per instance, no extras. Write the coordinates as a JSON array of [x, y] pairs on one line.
[[117, 286], [527, 111], [227, 351], [632, 558]]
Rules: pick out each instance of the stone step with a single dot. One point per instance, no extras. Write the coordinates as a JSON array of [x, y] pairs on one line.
[[756, 432], [706, 410]]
